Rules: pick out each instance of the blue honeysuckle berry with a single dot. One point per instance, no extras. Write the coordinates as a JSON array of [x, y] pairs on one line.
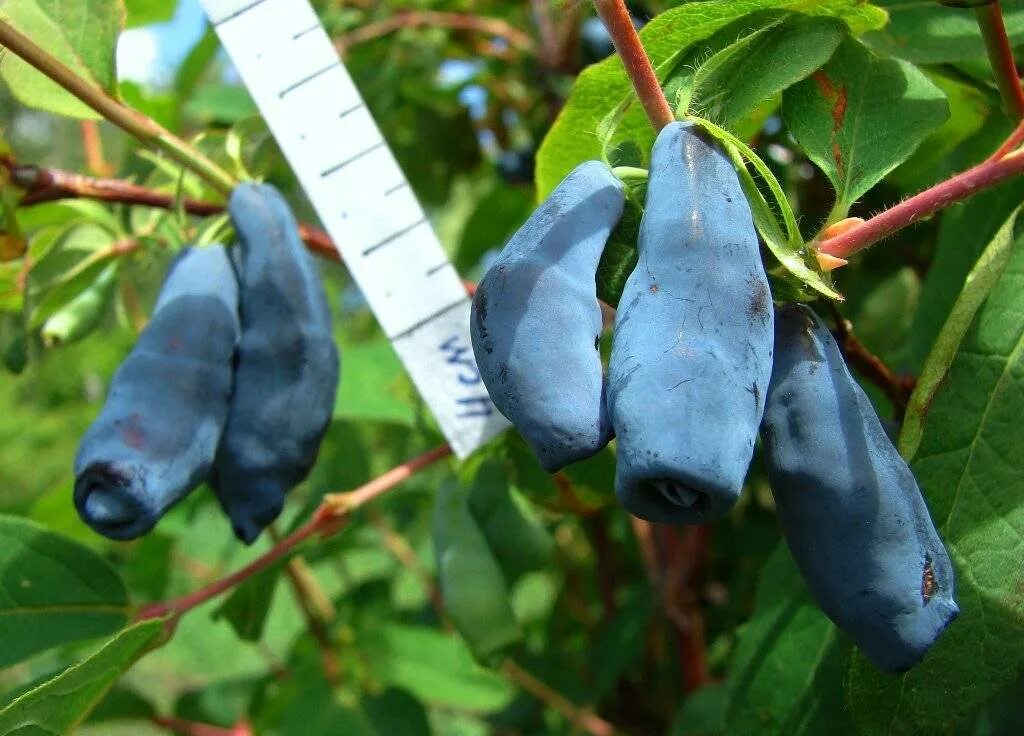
[[851, 510], [287, 368], [536, 320], [692, 350], [156, 437]]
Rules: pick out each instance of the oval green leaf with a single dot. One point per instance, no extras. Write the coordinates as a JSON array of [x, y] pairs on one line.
[[52, 591]]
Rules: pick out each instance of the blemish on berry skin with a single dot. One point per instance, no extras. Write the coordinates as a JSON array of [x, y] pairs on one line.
[[928, 584]]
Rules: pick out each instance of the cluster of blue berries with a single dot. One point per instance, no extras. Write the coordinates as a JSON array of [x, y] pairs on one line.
[[232, 382], [701, 362]]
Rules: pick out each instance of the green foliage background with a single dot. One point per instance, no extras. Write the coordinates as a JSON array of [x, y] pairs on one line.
[[851, 106]]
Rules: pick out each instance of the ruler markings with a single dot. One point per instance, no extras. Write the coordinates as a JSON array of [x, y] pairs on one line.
[[308, 79], [348, 111], [419, 301], [352, 159], [311, 29], [238, 12], [395, 236], [430, 318]]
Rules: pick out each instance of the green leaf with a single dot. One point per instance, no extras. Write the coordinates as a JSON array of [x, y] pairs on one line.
[[496, 216], [476, 594], [619, 642], [786, 672], [600, 87], [861, 116], [52, 591], [939, 156], [786, 677], [968, 462], [59, 705], [83, 312], [980, 282], [221, 104], [735, 80], [703, 713], [13, 343], [619, 257], [375, 388], [396, 712], [196, 63], [517, 539], [886, 310], [144, 12], [82, 35], [247, 607], [964, 233], [11, 297], [74, 263], [927, 33], [121, 703], [434, 667]]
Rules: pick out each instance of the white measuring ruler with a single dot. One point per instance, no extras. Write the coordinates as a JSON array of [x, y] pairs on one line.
[[351, 178]]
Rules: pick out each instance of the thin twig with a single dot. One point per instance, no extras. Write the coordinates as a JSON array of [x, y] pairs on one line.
[[620, 27], [496, 27], [580, 717], [341, 503], [1010, 144], [327, 520], [906, 213], [44, 184], [1000, 56], [131, 121], [683, 569], [601, 541], [550, 44], [644, 533]]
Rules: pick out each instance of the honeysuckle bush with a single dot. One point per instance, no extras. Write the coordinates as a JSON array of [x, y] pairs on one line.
[[900, 114]]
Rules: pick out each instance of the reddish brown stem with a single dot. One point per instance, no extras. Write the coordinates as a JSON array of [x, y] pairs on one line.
[[582, 718], [342, 503], [458, 21], [179, 606], [619, 23], [920, 206], [683, 563], [327, 520], [550, 45], [49, 185], [597, 526], [1011, 143], [644, 533], [1000, 55]]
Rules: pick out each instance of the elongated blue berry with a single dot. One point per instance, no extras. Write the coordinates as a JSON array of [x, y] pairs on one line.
[[536, 320], [287, 367], [692, 350], [850, 507], [157, 435]]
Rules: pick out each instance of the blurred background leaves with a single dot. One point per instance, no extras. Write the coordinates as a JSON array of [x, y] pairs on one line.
[[682, 631]]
